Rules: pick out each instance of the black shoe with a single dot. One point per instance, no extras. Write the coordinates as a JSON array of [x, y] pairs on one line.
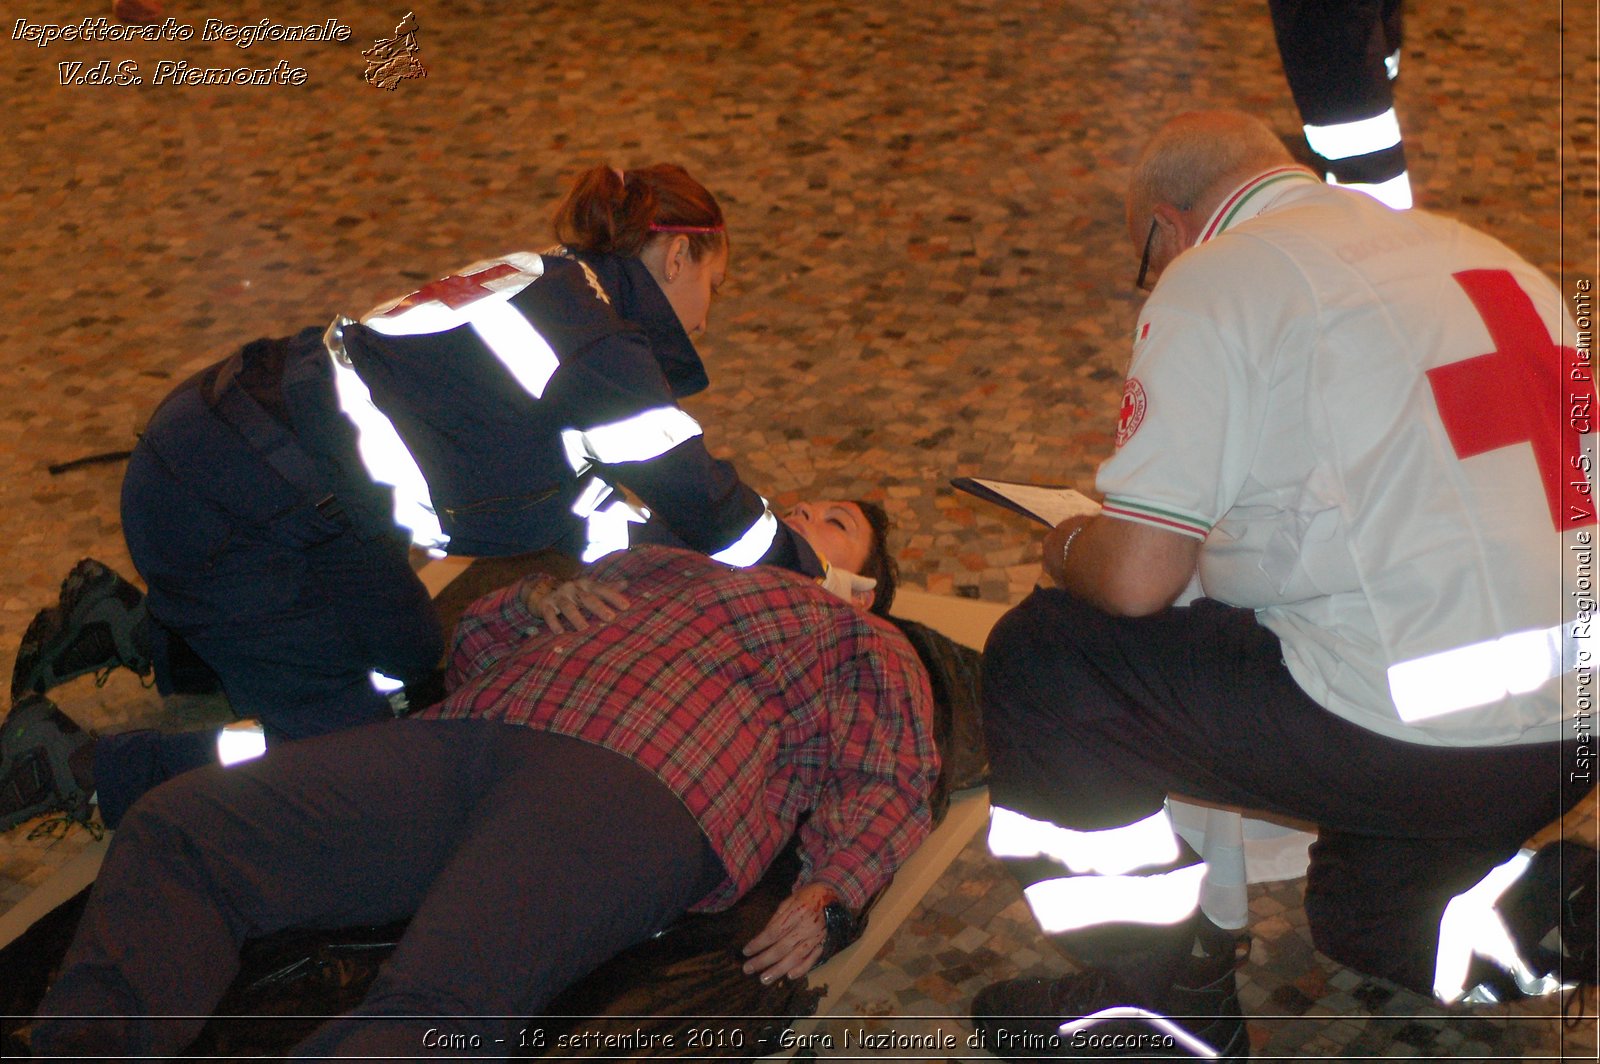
[[1551, 912], [1198, 1016], [36, 741], [99, 624]]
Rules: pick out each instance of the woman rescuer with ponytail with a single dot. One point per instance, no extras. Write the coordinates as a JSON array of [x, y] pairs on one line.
[[272, 499]]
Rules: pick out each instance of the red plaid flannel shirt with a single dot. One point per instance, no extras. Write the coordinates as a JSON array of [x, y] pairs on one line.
[[751, 693]]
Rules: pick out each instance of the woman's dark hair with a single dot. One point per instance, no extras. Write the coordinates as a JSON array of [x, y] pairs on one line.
[[880, 564], [616, 212]]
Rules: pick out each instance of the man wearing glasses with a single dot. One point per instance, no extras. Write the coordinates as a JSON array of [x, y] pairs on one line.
[[1353, 425]]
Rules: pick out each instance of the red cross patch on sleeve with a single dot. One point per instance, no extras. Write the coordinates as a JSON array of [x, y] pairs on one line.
[[455, 291], [1133, 407]]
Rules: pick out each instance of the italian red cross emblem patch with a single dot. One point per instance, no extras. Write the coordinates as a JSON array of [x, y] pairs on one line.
[[1133, 407], [455, 291]]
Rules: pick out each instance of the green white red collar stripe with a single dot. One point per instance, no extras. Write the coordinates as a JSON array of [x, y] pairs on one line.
[[1156, 516], [1247, 201]]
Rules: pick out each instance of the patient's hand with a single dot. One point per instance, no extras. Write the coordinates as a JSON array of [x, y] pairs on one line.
[[793, 939], [576, 602]]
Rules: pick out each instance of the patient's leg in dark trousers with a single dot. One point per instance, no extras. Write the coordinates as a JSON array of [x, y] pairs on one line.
[[346, 829], [351, 828], [573, 855]]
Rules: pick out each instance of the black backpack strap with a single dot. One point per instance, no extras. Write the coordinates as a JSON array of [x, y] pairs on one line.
[[266, 435]]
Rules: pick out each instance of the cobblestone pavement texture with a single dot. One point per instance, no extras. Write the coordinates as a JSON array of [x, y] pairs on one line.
[[931, 278]]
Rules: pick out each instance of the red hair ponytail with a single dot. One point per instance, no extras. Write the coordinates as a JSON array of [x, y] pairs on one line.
[[609, 211]]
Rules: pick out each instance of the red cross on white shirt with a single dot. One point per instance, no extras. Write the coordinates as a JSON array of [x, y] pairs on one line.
[[1517, 393]]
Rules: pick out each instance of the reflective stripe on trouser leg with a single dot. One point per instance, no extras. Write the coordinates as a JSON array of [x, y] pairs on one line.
[[1162, 1025], [1366, 155], [1113, 851], [243, 740], [1471, 926], [1136, 874], [1395, 192]]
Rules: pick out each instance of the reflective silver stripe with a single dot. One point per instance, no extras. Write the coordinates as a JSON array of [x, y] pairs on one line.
[[384, 685], [1395, 192], [1194, 1045], [650, 434], [646, 435], [754, 544], [242, 740], [1481, 673], [595, 492], [1112, 851], [384, 454], [607, 529], [1470, 925], [518, 346], [577, 451], [1072, 903], [1361, 137]]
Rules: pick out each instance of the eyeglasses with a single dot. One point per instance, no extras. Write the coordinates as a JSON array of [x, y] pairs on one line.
[[1144, 260]]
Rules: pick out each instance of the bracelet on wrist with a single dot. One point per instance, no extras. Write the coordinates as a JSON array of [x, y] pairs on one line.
[[842, 928], [1067, 546]]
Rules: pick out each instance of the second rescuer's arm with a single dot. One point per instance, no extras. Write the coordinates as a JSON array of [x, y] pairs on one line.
[[1124, 568], [634, 431]]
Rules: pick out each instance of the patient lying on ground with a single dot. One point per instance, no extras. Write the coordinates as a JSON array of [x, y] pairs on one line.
[[576, 793]]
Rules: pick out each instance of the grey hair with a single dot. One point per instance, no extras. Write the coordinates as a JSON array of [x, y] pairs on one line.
[[1195, 152]]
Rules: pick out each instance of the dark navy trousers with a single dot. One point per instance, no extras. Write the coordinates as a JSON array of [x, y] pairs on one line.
[[284, 600], [522, 859], [1092, 720], [1333, 55]]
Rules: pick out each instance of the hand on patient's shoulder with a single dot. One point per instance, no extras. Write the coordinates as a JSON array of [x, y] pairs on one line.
[[572, 605], [793, 940]]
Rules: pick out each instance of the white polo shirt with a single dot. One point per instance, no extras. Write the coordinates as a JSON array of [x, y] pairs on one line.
[[1367, 417]]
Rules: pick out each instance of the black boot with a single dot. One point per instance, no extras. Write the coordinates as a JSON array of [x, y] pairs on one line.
[[38, 747], [1193, 1010], [99, 623], [1551, 913]]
